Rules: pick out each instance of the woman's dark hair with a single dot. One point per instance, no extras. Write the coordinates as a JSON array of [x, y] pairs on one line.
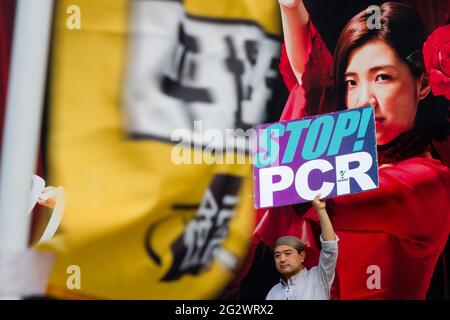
[[403, 29]]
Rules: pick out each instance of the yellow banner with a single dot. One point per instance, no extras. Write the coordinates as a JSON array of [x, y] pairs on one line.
[[137, 226]]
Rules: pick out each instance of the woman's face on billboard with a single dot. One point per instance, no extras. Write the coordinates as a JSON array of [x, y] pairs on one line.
[[376, 76]]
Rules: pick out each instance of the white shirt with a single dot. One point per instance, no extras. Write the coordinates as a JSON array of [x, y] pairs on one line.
[[313, 284]]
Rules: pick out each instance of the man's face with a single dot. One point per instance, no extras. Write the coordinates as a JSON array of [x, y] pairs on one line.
[[287, 260]]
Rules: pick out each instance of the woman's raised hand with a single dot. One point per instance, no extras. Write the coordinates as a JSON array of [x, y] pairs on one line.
[[295, 19], [289, 3]]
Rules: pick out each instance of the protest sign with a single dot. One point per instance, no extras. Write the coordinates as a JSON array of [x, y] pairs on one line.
[[332, 154]]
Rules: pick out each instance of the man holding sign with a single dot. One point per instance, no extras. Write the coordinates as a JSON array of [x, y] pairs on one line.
[[298, 283]]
